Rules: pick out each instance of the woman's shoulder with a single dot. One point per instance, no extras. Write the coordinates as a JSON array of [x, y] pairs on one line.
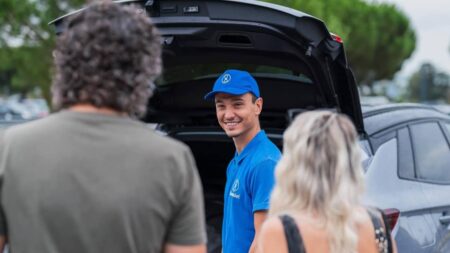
[[276, 224], [366, 231], [272, 225], [272, 238], [364, 221]]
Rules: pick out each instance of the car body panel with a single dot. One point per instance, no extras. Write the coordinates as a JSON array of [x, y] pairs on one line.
[[438, 197], [382, 173]]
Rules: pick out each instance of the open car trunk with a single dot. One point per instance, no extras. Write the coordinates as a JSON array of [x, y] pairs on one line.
[[297, 63]]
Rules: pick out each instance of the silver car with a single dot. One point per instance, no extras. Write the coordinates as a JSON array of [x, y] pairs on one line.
[[407, 168]]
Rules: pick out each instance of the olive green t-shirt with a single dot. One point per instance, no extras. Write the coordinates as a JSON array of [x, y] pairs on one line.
[[86, 182]]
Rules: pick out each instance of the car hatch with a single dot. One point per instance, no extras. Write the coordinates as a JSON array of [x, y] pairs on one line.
[[298, 64]]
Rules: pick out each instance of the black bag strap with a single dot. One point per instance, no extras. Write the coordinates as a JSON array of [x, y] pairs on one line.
[[292, 233], [382, 231], [388, 231]]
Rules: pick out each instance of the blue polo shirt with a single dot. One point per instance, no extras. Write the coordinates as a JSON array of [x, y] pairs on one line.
[[250, 178]]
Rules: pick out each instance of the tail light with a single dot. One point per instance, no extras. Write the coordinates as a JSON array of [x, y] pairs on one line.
[[336, 38], [392, 215]]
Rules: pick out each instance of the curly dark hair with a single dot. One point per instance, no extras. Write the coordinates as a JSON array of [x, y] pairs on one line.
[[108, 57]]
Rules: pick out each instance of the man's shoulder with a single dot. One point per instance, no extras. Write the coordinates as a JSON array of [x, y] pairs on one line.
[[266, 151], [27, 128], [163, 147], [167, 143], [58, 123]]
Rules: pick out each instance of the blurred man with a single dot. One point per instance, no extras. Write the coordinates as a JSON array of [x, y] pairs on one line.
[[90, 178], [250, 175]]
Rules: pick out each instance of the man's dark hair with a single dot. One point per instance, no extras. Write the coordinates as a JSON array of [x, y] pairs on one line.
[[108, 57], [254, 98]]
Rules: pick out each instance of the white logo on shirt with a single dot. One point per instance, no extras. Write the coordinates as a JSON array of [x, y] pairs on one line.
[[234, 189]]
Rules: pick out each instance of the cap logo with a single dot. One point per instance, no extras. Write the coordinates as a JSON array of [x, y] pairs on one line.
[[226, 78]]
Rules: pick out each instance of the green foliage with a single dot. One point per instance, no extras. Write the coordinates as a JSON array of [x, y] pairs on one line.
[[26, 42], [428, 85], [378, 37]]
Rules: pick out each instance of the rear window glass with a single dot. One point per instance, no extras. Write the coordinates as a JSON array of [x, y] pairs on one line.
[[365, 153], [182, 73], [432, 153]]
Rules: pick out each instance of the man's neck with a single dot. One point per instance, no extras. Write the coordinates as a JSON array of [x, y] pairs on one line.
[[242, 141], [88, 108]]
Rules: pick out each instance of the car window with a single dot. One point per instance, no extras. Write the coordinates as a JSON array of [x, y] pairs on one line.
[[181, 73], [365, 153], [405, 155], [431, 152]]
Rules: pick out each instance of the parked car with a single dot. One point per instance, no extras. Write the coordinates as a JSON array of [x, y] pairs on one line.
[[443, 108], [407, 168], [300, 66], [8, 114]]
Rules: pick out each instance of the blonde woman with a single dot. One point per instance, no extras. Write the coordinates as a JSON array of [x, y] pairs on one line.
[[315, 205]]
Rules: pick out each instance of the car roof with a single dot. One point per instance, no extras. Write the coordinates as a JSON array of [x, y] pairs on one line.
[[380, 118], [443, 108]]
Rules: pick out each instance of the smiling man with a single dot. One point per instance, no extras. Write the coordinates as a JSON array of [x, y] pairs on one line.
[[250, 174]]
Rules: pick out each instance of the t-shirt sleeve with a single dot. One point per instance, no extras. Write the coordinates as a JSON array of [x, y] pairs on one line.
[[188, 226], [261, 184], [2, 170]]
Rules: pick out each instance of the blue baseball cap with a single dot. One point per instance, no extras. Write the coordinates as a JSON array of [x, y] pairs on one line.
[[234, 82]]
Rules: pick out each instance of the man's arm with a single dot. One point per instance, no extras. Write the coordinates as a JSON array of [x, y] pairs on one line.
[[261, 184], [171, 248], [187, 233], [258, 218]]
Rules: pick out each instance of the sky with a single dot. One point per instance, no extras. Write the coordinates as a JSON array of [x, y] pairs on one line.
[[431, 21]]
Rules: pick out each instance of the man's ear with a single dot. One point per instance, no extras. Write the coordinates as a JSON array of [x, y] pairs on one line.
[[259, 105]]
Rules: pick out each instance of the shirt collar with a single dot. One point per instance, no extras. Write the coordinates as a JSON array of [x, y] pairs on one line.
[[250, 146]]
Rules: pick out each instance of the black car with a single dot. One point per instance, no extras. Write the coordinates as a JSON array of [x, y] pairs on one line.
[[297, 62]]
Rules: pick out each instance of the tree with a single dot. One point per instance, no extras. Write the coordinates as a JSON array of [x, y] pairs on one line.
[[378, 37], [26, 41], [394, 42], [428, 85]]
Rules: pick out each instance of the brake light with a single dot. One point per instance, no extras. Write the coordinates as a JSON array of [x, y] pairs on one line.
[[392, 215], [336, 38]]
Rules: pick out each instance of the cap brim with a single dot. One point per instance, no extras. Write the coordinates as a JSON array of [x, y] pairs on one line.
[[237, 92]]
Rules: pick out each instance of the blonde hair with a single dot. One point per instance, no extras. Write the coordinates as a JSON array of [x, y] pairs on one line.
[[320, 173]]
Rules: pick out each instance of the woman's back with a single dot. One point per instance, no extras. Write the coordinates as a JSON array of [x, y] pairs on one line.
[[313, 236], [320, 173]]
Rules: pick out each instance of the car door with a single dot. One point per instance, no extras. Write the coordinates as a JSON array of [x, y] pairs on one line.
[[387, 188], [431, 148]]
